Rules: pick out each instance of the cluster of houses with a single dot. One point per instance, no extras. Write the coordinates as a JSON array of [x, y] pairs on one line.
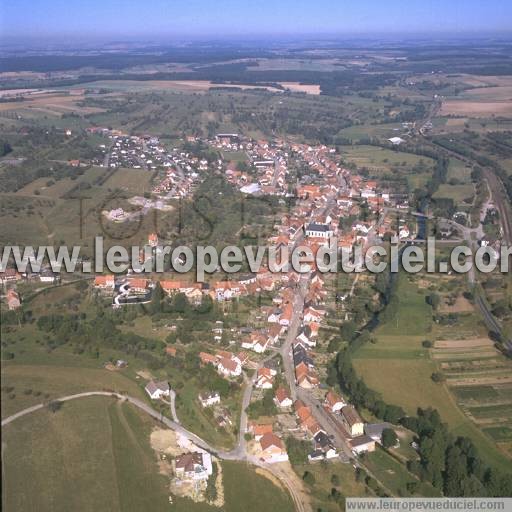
[[353, 426], [227, 364], [271, 447], [269, 161], [10, 277], [323, 447]]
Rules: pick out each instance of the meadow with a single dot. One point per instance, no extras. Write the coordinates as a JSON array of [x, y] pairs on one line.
[[385, 163]]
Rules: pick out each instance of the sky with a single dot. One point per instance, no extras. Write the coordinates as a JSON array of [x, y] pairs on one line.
[[182, 19]]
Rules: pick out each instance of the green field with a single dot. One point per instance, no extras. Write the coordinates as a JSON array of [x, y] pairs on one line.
[[380, 159], [133, 181], [387, 163], [456, 192], [394, 476], [321, 489], [100, 449], [33, 384], [459, 171], [95, 446]]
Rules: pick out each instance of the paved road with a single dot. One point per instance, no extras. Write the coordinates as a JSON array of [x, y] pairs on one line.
[[172, 405], [135, 401], [293, 331], [232, 455]]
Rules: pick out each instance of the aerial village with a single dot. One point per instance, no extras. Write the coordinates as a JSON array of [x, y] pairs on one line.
[[279, 355]]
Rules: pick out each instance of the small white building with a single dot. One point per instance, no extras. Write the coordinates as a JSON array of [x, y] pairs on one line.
[[157, 390], [209, 399]]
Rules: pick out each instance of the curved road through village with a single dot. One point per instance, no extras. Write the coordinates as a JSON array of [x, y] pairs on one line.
[[237, 454]]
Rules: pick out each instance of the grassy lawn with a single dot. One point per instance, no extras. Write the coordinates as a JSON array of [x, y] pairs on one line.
[[459, 171], [134, 181], [49, 382], [321, 489], [235, 156], [100, 448], [244, 490], [193, 417], [143, 326], [95, 446], [456, 192], [394, 475], [381, 159]]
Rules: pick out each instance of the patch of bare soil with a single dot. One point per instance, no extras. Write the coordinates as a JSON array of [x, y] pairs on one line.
[[297, 87], [164, 441], [476, 108], [468, 343], [219, 485], [481, 381], [145, 374]]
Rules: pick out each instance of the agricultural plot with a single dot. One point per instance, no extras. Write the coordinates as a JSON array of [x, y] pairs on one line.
[[481, 380], [71, 211], [477, 108], [400, 367]]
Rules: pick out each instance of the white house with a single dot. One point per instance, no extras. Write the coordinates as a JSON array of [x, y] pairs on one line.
[[209, 399], [334, 402], [282, 398], [157, 390], [305, 341], [404, 232], [194, 466], [272, 449], [313, 315], [229, 367], [265, 378]]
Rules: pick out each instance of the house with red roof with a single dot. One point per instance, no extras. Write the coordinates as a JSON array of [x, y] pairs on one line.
[[334, 402], [272, 449], [282, 398]]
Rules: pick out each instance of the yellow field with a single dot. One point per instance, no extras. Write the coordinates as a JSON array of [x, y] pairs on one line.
[[476, 108], [51, 103]]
